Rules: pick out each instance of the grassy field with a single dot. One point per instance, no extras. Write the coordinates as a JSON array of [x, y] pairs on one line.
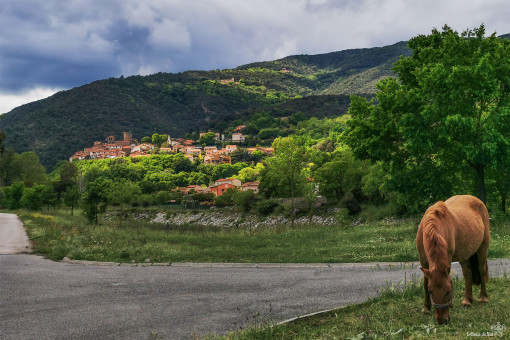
[[397, 315], [58, 235]]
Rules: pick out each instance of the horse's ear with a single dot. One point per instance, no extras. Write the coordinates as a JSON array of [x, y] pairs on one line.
[[425, 271], [440, 209]]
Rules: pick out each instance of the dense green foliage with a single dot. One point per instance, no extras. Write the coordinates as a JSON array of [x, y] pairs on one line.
[[303, 167], [194, 101], [440, 128], [443, 126]]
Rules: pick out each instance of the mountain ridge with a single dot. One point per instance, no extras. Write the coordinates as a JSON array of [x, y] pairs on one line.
[[177, 103]]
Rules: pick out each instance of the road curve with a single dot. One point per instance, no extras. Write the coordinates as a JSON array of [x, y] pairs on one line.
[[13, 239], [42, 299]]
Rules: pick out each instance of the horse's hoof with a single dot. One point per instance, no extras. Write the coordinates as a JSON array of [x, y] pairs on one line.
[[425, 311], [484, 300], [466, 303]]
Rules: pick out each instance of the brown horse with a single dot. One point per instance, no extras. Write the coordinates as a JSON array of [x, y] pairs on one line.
[[455, 230]]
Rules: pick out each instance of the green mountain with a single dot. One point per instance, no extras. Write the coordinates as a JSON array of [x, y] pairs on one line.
[[316, 85]]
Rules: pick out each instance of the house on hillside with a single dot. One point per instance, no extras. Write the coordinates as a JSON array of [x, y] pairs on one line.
[[110, 148], [267, 151], [190, 157], [238, 137], [174, 141], [144, 147], [233, 181], [196, 188], [177, 147], [217, 159], [192, 150], [250, 186], [219, 190], [210, 150], [227, 81], [166, 150], [230, 148], [219, 136], [80, 155]]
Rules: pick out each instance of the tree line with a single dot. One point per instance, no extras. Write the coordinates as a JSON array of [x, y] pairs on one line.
[[440, 127]]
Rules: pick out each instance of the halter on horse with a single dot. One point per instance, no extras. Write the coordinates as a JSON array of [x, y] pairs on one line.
[[444, 305]]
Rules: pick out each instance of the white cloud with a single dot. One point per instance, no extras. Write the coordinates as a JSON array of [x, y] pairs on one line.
[[55, 44], [169, 34], [10, 101]]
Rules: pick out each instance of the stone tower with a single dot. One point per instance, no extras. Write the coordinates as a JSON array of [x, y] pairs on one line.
[[128, 136]]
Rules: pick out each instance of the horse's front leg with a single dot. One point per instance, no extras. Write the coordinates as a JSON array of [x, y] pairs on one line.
[[427, 305], [468, 294]]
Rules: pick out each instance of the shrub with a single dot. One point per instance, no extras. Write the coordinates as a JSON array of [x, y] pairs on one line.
[[374, 213], [244, 200], [225, 199], [350, 203], [32, 198], [203, 197], [343, 217], [266, 207], [13, 194]]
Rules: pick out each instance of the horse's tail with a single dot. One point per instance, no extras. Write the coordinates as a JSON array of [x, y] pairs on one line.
[[476, 278]]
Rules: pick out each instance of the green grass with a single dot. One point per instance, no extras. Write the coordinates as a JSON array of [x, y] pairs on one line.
[[57, 235], [396, 315]]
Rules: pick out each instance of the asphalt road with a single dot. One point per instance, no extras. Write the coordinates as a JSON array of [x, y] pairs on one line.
[[42, 299]]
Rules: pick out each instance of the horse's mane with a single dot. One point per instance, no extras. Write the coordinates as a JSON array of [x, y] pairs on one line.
[[434, 242]]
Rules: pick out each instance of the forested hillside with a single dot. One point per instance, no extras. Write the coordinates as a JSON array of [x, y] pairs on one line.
[[175, 104]]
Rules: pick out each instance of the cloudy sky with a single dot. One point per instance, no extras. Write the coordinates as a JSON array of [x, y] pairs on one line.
[[51, 45]]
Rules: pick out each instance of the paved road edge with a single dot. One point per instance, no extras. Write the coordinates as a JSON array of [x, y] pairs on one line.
[[385, 265]]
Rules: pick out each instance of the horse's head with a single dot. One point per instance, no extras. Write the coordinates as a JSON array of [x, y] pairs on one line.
[[440, 288]]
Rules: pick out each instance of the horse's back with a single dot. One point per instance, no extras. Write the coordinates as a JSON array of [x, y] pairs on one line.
[[472, 228], [467, 207]]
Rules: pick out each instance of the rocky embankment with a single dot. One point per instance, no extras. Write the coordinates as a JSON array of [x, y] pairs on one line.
[[221, 219]]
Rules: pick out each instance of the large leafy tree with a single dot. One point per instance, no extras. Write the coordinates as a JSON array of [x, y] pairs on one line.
[[342, 175], [284, 175], [95, 198], [448, 111], [122, 193]]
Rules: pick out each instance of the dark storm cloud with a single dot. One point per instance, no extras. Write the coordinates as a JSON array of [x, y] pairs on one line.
[[56, 44]]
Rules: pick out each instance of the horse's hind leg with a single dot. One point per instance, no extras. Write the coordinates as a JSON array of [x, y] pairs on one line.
[[484, 274], [468, 283]]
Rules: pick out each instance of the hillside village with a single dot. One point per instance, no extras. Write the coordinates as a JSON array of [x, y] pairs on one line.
[[130, 147]]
